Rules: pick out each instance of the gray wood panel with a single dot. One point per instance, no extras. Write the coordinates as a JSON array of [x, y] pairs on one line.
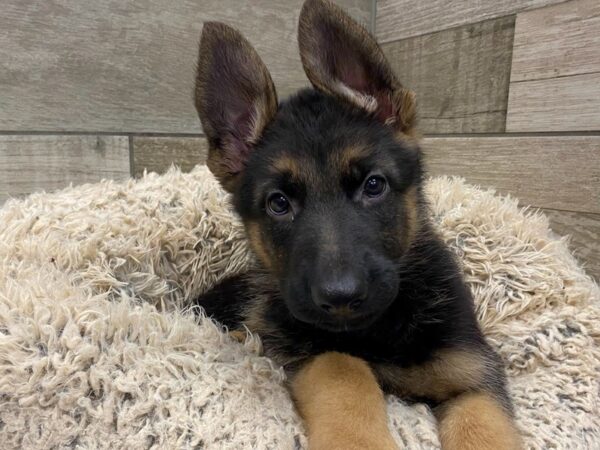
[[569, 103], [555, 80], [461, 76], [584, 232], [559, 172], [557, 41], [156, 154], [32, 163], [110, 65], [399, 19]]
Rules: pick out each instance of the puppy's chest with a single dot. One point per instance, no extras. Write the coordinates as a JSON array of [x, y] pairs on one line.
[[399, 339], [290, 343]]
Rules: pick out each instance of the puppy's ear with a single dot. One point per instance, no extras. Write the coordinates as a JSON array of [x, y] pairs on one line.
[[341, 58], [235, 99]]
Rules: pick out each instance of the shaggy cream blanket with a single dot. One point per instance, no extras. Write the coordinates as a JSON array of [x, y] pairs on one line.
[[97, 349]]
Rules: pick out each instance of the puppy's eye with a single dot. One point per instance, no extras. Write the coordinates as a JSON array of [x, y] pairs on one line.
[[278, 204], [374, 186]]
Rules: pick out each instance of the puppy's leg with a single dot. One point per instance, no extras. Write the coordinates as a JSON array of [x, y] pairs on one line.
[[238, 335], [342, 405], [469, 384], [476, 421]]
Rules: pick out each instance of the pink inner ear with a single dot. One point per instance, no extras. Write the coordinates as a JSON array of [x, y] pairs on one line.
[[235, 155], [353, 76], [236, 148], [357, 79], [347, 65]]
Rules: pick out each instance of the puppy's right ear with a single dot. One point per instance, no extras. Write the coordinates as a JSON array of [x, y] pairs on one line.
[[341, 58], [235, 99]]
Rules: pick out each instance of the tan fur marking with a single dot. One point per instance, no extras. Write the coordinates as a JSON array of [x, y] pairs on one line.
[[254, 318], [238, 335], [410, 139], [448, 373], [351, 155], [258, 244], [342, 404], [300, 171], [405, 102], [255, 311], [412, 214], [364, 101], [264, 111], [287, 165], [475, 421]]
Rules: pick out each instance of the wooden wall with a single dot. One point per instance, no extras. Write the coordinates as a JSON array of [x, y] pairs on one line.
[[508, 91], [93, 89], [509, 97]]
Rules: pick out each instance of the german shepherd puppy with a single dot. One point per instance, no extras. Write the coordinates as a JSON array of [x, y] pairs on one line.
[[353, 292]]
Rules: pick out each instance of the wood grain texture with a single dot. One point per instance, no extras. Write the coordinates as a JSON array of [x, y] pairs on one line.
[[555, 79], [109, 65], [399, 19], [32, 163], [157, 154], [557, 41], [549, 172], [584, 232], [461, 76], [555, 104]]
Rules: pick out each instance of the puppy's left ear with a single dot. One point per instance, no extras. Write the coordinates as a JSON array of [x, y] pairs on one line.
[[341, 58], [235, 99]]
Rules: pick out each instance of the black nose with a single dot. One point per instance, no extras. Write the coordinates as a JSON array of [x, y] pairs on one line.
[[340, 296]]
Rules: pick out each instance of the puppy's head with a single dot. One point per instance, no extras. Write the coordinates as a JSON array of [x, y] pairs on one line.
[[328, 182]]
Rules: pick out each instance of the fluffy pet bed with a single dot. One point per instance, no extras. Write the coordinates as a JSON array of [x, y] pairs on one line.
[[98, 350]]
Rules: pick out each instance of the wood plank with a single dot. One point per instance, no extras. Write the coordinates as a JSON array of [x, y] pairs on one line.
[[32, 163], [399, 19], [461, 76], [559, 172], [156, 154], [88, 65], [556, 104], [557, 41], [555, 79], [584, 231]]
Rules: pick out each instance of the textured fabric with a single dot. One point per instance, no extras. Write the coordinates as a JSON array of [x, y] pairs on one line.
[[98, 350]]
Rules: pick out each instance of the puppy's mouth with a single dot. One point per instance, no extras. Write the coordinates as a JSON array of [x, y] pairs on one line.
[[347, 325], [339, 324]]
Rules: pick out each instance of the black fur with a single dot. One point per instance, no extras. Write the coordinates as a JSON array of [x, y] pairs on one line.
[[329, 186], [331, 232], [431, 308]]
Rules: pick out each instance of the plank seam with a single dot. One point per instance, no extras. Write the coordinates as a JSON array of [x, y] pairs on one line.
[[511, 59], [448, 29], [97, 133], [516, 134], [131, 160], [571, 211], [555, 77], [507, 14]]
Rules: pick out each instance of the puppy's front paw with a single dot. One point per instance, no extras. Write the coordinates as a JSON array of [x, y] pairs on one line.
[[351, 440], [476, 421], [342, 404]]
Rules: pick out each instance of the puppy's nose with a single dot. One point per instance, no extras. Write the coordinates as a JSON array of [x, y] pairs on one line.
[[341, 296]]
